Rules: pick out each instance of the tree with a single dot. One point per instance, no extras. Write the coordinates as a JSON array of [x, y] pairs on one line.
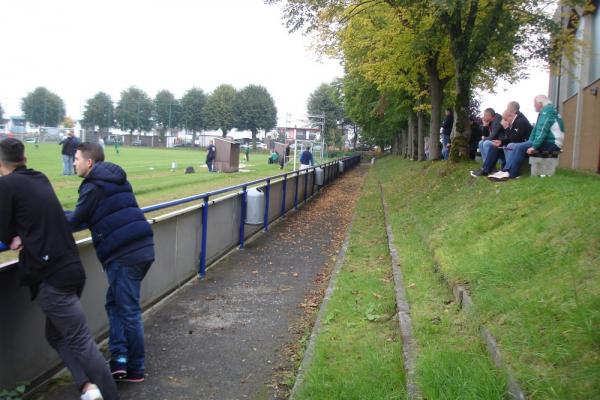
[[99, 112], [167, 112], [254, 109], [43, 108], [219, 109], [134, 111], [327, 99], [192, 105], [68, 122]]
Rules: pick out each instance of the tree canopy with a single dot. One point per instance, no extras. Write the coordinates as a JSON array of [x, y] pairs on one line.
[[134, 111], [192, 105], [219, 109], [327, 100], [254, 109], [408, 50], [99, 111], [43, 108], [167, 110]]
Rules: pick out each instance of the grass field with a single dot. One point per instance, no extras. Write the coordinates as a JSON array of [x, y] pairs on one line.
[[149, 171]]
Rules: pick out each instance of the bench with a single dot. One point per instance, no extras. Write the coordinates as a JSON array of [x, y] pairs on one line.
[[544, 163]]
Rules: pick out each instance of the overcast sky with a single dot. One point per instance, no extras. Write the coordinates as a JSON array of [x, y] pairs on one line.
[[76, 48]]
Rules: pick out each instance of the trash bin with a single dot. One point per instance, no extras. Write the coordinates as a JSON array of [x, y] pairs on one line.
[[341, 167], [255, 206], [319, 176]]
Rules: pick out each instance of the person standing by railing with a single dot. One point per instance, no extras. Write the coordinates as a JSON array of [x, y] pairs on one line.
[[306, 159], [211, 152], [124, 245], [32, 221]]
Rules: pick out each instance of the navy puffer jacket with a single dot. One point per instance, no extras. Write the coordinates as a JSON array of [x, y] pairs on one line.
[[119, 228]]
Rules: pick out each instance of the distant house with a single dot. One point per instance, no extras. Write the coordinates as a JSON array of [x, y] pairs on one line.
[[575, 91], [17, 125], [295, 133]]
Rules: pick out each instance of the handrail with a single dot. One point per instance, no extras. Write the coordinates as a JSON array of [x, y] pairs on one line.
[[204, 196]]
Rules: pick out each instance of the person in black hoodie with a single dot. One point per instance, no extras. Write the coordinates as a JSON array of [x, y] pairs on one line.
[[32, 221], [124, 245]]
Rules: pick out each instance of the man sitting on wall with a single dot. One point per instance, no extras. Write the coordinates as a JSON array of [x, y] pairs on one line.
[[547, 135], [515, 129]]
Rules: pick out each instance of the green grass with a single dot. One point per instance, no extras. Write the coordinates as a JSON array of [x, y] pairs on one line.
[[528, 250], [149, 171], [358, 354], [451, 360]]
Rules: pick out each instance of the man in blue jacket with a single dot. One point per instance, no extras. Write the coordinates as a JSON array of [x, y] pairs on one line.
[[125, 247]]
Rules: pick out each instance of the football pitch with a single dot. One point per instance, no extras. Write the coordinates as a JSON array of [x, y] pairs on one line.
[[149, 172]]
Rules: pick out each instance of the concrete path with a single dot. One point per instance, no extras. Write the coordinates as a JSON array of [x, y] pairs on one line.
[[236, 335]]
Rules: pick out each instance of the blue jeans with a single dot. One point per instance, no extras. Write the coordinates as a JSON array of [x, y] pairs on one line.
[[210, 165], [484, 147], [67, 165], [519, 154], [445, 142], [508, 151], [126, 334]]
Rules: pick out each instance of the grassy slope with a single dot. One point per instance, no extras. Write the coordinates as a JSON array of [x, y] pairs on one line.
[[358, 354], [529, 251]]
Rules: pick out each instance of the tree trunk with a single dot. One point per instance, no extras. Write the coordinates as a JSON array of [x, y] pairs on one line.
[[436, 92], [254, 132], [412, 135], [421, 136], [224, 133], [461, 133], [193, 138], [355, 138], [404, 142]]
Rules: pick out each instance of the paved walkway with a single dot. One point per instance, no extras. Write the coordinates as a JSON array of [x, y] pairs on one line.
[[233, 335]]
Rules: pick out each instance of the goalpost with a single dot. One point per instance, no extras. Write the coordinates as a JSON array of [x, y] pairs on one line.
[[316, 148]]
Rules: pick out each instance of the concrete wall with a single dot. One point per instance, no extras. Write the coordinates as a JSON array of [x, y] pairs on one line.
[[24, 353], [581, 149]]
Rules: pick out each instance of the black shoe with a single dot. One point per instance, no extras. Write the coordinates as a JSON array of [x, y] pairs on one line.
[[133, 376], [478, 173], [118, 370]]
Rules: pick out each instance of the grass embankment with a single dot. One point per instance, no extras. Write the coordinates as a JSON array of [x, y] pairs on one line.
[[358, 354], [529, 252]]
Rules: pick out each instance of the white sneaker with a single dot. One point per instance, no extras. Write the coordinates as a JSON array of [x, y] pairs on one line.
[[93, 393], [499, 176]]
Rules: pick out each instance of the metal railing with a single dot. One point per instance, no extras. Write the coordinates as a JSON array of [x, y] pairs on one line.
[[348, 162], [184, 245]]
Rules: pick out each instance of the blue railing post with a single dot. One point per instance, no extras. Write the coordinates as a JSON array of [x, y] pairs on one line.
[[305, 185], [243, 215], [267, 196], [3, 247], [296, 192], [202, 272], [283, 190]]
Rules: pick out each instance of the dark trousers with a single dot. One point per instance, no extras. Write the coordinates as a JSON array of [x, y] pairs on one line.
[[68, 333]]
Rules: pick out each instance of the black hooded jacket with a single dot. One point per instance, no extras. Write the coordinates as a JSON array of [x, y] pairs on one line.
[[30, 209]]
